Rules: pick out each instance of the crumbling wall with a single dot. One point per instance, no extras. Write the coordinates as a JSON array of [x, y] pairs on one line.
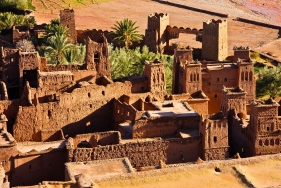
[[99, 138], [164, 126], [144, 153], [20, 33], [86, 109]]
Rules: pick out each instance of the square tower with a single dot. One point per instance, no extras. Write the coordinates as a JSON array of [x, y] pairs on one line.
[[97, 56], [67, 19], [155, 73], [246, 78], [233, 99], [214, 40], [215, 137], [241, 53], [157, 24], [180, 55]]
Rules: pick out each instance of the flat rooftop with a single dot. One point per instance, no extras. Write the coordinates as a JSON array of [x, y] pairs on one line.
[[44, 74], [172, 109], [100, 169], [25, 147]]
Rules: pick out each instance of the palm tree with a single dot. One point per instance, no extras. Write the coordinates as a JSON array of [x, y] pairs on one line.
[[126, 32], [58, 44]]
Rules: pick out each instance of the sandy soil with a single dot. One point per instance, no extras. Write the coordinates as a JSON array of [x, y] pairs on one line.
[[104, 15], [259, 174]]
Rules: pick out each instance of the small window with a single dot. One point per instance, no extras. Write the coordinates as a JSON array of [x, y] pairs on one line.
[[89, 95], [267, 128], [215, 139], [103, 93], [30, 167], [209, 83], [218, 79], [142, 88], [216, 96], [11, 60], [225, 79]]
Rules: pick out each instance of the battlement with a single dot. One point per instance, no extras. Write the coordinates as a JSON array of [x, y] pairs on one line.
[[158, 16], [233, 91], [67, 11], [215, 22], [268, 103], [247, 48]]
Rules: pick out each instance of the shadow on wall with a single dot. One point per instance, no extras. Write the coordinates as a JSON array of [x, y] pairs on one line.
[[33, 169], [99, 121]]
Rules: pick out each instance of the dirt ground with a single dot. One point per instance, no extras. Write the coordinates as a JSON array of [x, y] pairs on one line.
[[259, 174], [104, 15]]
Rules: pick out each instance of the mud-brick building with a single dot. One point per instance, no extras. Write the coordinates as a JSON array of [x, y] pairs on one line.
[[191, 76]]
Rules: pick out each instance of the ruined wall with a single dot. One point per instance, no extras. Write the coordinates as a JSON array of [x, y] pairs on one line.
[[20, 33], [99, 138], [139, 84], [29, 63], [85, 109], [33, 169], [94, 35], [123, 112], [164, 126], [140, 154], [10, 66], [55, 81], [6, 154], [97, 56]]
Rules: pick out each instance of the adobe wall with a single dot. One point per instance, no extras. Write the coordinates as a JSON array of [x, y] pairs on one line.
[[242, 140], [55, 81], [164, 126], [32, 169], [199, 105], [268, 144], [123, 112], [85, 109], [213, 82], [99, 138], [10, 109], [94, 35], [51, 135], [143, 153], [20, 33], [67, 19], [6, 154]]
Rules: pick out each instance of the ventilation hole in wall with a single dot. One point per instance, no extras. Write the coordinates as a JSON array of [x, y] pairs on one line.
[[91, 105], [216, 96], [217, 169], [103, 93], [29, 166], [49, 113], [215, 139], [267, 128], [89, 95]]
